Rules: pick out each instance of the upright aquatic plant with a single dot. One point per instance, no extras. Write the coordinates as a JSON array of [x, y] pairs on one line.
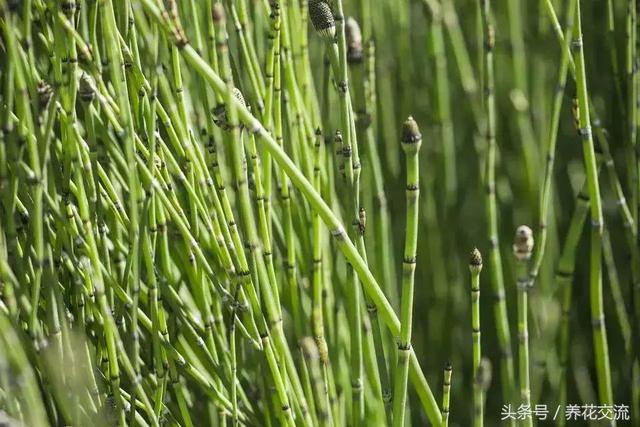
[[522, 250], [475, 267], [495, 260], [411, 141], [600, 344]]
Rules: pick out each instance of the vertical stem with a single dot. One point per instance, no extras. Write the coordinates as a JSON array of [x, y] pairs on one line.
[[475, 266], [411, 141], [495, 260], [601, 351], [522, 247], [446, 394]]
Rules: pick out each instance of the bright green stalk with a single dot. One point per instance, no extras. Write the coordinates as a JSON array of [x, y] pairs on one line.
[[475, 267], [446, 394], [411, 141], [495, 260], [522, 249], [601, 351]]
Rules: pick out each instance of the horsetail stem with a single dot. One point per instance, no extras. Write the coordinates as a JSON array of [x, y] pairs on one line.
[[601, 351], [411, 140], [446, 393], [495, 260], [475, 267], [522, 250]]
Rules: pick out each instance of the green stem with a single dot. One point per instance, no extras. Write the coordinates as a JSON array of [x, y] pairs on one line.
[[495, 260], [411, 141], [601, 351], [475, 266]]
